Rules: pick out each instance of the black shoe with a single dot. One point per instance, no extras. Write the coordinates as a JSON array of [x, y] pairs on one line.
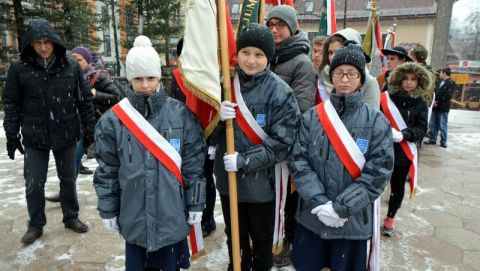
[[76, 225], [429, 143], [443, 145], [54, 198], [85, 171], [208, 227], [31, 235]]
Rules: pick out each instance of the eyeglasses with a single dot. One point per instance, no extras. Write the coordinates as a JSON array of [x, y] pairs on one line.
[[350, 75], [278, 25]]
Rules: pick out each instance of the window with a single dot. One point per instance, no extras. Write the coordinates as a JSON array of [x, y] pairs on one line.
[[129, 26], [106, 31], [309, 7]]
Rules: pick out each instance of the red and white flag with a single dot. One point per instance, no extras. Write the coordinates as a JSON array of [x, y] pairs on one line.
[[198, 74], [280, 2]]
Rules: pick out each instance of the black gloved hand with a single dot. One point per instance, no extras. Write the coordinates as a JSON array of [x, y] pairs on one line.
[[12, 145], [87, 140]]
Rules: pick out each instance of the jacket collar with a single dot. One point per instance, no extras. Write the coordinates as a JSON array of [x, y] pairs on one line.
[[148, 104], [250, 81], [346, 104]]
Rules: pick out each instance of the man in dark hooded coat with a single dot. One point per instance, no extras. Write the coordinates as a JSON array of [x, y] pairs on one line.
[[48, 103]]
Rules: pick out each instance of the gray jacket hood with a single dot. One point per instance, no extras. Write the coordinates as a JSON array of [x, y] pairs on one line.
[[351, 35]]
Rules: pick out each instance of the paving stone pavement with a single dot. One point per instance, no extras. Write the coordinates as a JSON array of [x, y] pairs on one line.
[[439, 229]]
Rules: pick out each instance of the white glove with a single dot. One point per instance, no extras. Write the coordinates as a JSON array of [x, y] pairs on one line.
[[227, 110], [397, 136], [194, 217], [211, 152], [111, 224], [230, 161], [328, 216]]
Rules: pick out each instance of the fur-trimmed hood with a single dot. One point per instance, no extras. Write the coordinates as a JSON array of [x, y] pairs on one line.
[[424, 79]]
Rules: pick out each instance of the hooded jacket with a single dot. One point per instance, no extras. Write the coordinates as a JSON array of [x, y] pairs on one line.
[[151, 205], [107, 93], [42, 97], [370, 89], [320, 176], [271, 102], [292, 64], [411, 105]]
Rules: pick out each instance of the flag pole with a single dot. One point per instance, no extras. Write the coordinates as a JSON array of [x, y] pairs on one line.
[[261, 15], [232, 177]]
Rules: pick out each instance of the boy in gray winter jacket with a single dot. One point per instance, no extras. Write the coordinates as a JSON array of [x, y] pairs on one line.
[[340, 164], [265, 124], [150, 190]]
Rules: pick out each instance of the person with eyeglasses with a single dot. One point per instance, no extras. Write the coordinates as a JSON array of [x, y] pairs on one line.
[[370, 90], [292, 63], [336, 214]]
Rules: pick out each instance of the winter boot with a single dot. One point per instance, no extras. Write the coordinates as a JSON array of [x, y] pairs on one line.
[[387, 228], [31, 235]]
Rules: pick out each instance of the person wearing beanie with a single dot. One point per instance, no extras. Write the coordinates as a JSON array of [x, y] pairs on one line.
[[48, 105], [84, 52], [407, 84], [269, 106], [335, 215], [292, 63], [151, 202], [395, 56], [370, 89]]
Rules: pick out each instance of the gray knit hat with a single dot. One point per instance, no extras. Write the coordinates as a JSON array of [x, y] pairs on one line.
[[352, 55], [259, 36], [143, 60], [287, 14]]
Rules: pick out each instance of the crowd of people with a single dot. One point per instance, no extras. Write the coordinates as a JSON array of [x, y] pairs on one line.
[[344, 135]]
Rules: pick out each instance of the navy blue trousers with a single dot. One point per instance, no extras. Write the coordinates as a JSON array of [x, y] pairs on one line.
[[310, 252], [169, 258]]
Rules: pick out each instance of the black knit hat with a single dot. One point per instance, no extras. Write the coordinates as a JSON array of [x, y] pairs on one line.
[[352, 55], [397, 50], [259, 36]]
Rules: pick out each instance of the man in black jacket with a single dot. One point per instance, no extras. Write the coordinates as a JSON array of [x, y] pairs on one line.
[[439, 119], [45, 98]]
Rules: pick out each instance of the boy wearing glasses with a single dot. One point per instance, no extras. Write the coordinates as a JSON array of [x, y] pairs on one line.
[[292, 64], [340, 163]]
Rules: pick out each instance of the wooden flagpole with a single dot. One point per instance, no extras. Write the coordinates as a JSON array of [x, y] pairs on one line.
[[232, 176], [261, 16]]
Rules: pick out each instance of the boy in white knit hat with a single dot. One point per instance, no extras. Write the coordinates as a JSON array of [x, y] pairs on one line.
[[150, 185]]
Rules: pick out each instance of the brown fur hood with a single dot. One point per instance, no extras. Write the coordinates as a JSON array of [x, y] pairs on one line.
[[424, 79]]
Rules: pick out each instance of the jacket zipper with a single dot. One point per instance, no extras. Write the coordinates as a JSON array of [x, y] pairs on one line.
[[129, 149]]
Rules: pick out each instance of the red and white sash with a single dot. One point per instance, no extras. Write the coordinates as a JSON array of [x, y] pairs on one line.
[[430, 108], [321, 93], [341, 140], [161, 149], [390, 111], [353, 160], [255, 133]]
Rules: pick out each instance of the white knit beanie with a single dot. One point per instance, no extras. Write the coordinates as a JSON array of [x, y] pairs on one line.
[[143, 60]]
